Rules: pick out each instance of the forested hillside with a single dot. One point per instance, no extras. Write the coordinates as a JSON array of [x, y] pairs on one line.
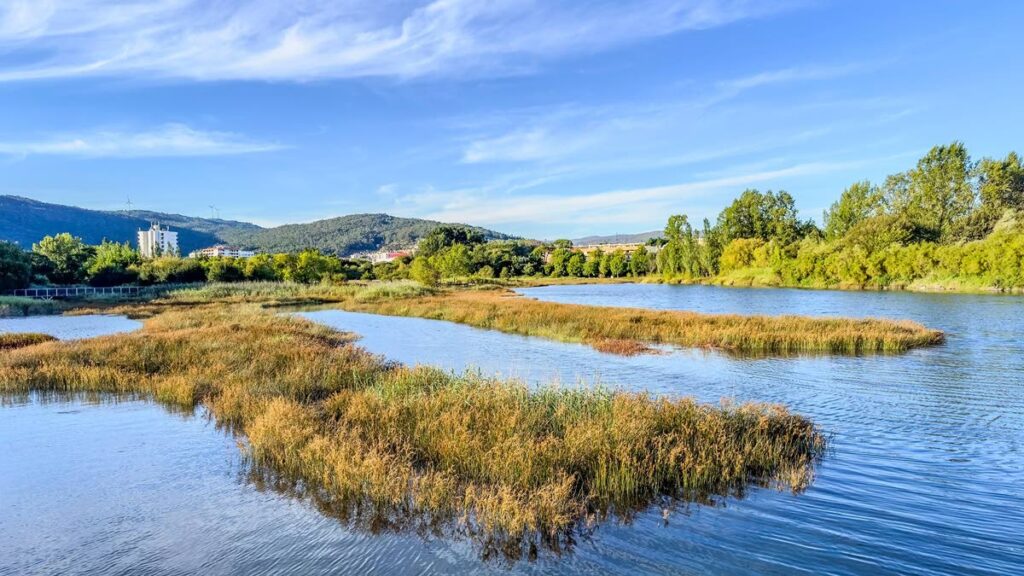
[[343, 235], [27, 221]]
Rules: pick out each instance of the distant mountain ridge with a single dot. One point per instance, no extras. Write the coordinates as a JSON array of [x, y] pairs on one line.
[[26, 221], [637, 238]]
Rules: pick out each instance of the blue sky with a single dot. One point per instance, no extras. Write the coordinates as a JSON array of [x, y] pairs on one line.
[[540, 118]]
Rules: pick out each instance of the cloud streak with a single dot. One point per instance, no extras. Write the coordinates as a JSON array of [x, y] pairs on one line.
[[170, 140], [636, 205], [315, 39]]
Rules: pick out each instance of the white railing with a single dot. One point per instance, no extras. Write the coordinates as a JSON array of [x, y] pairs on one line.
[[50, 293]]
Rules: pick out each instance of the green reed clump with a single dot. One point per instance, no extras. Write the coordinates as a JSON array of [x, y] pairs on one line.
[[20, 306], [10, 341], [389, 447]]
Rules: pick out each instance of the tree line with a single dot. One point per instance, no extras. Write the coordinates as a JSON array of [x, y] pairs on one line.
[[948, 219]]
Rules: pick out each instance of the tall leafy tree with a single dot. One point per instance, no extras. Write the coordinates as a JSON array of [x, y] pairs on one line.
[[15, 266], [445, 236], [112, 264], [768, 216], [575, 265], [68, 255], [857, 203], [640, 262], [1000, 188], [936, 196]]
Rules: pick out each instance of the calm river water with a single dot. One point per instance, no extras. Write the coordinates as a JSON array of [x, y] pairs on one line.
[[926, 473]]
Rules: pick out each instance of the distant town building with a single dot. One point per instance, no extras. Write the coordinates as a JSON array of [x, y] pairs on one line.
[[157, 241], [221, 250], [381, 255]]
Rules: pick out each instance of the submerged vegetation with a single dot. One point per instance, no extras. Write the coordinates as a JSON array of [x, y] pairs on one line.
[[390, 447]]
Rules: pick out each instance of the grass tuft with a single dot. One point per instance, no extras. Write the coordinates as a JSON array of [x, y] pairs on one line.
[[10, 341]]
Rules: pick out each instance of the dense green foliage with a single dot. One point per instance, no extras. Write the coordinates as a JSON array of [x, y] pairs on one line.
[[948, 222], [15, 266]]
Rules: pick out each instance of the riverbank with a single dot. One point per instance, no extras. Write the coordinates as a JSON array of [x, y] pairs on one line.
[[388, 447], [767, 278]]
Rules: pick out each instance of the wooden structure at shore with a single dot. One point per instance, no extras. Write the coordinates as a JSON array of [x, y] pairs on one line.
[[63, 292]]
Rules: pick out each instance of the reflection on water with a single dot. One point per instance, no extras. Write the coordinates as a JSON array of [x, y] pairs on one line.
[[925, 474], [70, 327]]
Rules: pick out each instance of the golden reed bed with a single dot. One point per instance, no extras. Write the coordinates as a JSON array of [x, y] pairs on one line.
[[388, 447]]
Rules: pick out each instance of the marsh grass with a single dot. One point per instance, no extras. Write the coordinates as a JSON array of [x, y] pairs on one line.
[[389, 447], [10, 341], [20, 306], [609, 328], [625, 331]]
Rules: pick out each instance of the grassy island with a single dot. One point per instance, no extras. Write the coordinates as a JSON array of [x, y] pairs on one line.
[[619, 330], [389, 447]]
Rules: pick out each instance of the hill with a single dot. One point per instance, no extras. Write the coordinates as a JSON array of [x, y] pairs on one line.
[[26, 221], [618, 238], [344, 235]]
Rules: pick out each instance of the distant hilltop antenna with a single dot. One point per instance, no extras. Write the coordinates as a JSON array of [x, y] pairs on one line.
[[129, 203], [214, 212]]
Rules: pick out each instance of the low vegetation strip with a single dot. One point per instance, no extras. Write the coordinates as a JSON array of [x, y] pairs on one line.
[[595, 325], [9, 341], [385, 446]]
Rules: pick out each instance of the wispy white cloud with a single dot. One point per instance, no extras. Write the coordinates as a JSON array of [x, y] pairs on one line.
[[788, 75], [167, 140], [567, 130], [627, 206], [312, 39]]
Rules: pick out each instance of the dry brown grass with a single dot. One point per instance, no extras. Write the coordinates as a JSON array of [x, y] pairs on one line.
[[10, 341], [389, 447], [508, 312]]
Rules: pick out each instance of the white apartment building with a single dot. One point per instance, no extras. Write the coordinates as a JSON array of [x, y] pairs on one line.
[[221, 250], [157, 241]]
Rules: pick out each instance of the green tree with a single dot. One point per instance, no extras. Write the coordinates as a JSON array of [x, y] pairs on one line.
[[68, 255], [445, 236], [937, 196], [639, 262], [604, 268], [422, 271], [768, 216], [452, 262], [575, 265], [15, 266], [592, 265], [1000, 188], [224, 270], [260, 268], [558, 262], [857, 203], [618, 265], [113, 264]]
